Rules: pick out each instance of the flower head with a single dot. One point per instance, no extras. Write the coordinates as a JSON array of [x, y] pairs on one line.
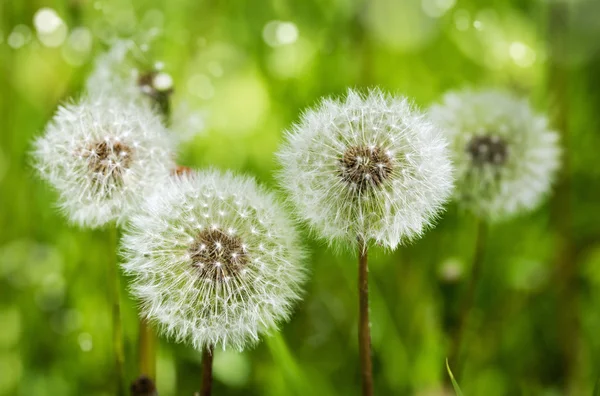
[[215, 260], [101, 155], [124, 71], [505, 155], [369, 166], [116, 72]]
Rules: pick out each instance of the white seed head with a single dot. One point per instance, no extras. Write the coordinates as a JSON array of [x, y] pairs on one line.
[[115, 72], [123, 71], [505, 155], [215, 260], [369, 166], [101, 155]]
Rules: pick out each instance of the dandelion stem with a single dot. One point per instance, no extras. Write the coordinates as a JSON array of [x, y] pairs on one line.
[[207, 363], [147, 342], [114, 297], [364, 330], [163, 102], [147, 350], [559, 36], [469, 297]]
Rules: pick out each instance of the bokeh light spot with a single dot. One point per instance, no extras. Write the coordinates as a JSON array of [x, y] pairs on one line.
[[19, 36], [437, 8], [201, 86], [277, 33], [85, 342], [521, 54], [51, 30]]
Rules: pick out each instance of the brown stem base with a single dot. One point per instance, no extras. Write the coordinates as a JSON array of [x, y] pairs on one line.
[[207, 363]]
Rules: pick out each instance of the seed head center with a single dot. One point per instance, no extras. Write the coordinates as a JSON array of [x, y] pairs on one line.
[[490, 150], [108, 158], [365, 167], [218, 255]]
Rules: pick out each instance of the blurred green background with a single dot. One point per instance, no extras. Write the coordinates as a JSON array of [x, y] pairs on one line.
[[250, 67]]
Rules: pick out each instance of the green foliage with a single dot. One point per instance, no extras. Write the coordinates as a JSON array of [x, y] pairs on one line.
[[534, 328]]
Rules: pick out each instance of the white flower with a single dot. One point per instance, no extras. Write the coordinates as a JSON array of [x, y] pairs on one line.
[[115, 73], [505, 155], [123, 71], [101, 155], [369, 166], [215, 260]]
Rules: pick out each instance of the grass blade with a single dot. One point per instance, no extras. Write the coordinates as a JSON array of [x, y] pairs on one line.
[[455, 385]]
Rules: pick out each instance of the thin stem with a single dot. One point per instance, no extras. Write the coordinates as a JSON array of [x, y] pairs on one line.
[[115, 299], [469, 297], [163, 101], [207, 363], [364, 330], [147, 350], [568, 322], [147, 342]]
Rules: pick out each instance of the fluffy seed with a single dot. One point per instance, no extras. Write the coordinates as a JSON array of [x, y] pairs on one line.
[[505, 155], [367, 166]]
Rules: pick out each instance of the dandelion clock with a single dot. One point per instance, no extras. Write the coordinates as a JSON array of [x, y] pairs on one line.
[[215, 261], [368, 168], [506, 158], [101, 154]]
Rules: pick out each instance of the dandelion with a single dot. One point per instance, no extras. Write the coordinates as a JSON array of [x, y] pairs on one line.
[[101, 154], [506, 159], [505, 155], [215, 261], [116, 72], [369, 168], [125, 71]]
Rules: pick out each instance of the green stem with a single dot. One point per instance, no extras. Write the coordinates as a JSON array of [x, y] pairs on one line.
[[163, 101], [566, 266], [469, 297], [147, 350], [364, 329], [114, 298]]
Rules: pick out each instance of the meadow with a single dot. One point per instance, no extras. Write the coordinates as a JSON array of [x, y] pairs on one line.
[[243, 72]]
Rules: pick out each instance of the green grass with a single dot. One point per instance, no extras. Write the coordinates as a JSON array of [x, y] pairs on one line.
[[535, 323]]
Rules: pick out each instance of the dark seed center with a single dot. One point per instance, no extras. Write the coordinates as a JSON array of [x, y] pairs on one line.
[[365, 167], [487, 150], [108, 158], [217, 255]]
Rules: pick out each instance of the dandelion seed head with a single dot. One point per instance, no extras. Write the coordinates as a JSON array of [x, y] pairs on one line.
[[201, 272], [100, 154], [124, 71], [367, 166], [506, 156]]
